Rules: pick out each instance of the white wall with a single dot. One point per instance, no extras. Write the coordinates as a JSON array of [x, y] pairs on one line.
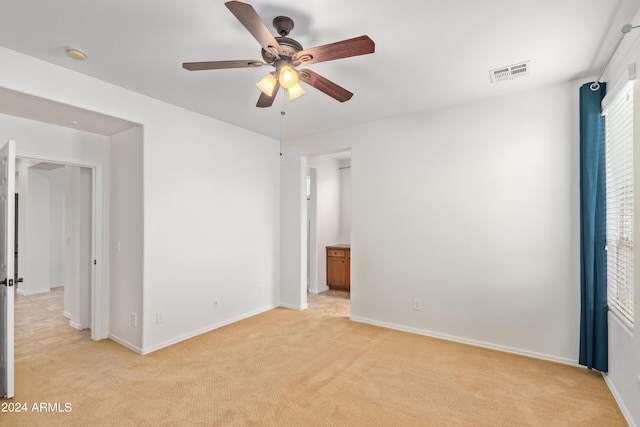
[[474, 213], [41, 225], [345, 201], [56, 266], [293, 227], [211, 224], [42, 255], [126, 254], [78, 251], [211, 205], [38, 229]]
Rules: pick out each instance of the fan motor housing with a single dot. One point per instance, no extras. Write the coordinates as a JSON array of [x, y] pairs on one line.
[[290, 48]]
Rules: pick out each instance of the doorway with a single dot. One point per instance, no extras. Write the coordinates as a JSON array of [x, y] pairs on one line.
[[329, 213], [55, 239]]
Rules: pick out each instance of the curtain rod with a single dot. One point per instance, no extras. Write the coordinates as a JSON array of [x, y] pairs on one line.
[[625, 29]]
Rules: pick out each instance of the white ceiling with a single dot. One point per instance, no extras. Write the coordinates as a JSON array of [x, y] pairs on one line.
[[429, 54]]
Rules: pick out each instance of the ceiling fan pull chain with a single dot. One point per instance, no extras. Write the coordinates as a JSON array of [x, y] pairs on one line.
[[282, 114]]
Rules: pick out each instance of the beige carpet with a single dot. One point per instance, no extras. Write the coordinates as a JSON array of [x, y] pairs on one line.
[[309, 368]]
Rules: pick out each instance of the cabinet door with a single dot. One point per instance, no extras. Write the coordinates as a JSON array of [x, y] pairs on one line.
[[336, 272]]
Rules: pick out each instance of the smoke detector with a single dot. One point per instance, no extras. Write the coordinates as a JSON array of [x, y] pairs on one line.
[[510, 72]]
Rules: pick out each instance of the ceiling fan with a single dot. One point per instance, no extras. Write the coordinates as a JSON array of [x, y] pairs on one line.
[[285, 54]]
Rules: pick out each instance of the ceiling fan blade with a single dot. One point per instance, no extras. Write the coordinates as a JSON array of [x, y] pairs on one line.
[[247, 15], [324, 85], [218, 65], [266, 100], [356, 46]]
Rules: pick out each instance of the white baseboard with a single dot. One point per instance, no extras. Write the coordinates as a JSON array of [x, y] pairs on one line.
[[61, 285], [467, 341], [74, 325], [295, 307], [77, 326], [126, 344], [29, 293], [318, 290], [616, 395], [66, 314], [167, 343]]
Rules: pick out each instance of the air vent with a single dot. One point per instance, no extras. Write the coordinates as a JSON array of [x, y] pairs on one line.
[[510, 72]]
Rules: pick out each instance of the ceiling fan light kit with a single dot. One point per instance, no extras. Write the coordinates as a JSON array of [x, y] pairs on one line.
[[285, 54], [295, 91], [287, 76], [267, 84]]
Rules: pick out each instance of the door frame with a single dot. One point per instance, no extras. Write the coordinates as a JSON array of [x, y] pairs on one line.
[[99, 287]]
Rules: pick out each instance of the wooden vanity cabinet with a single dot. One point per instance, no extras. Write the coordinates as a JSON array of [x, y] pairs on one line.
[[339, 267]]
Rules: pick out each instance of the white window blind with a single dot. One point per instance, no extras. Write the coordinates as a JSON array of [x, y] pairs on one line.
[[619, 185]]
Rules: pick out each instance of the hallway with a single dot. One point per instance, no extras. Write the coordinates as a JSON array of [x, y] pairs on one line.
[[330, 302], [40, 326]]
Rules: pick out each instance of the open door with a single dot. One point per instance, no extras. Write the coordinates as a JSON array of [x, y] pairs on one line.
[[7, 191]]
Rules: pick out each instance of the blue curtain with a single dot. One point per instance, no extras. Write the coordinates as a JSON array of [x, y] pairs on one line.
[[593, 258]]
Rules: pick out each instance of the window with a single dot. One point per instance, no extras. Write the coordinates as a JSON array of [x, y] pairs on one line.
[[619, 185]]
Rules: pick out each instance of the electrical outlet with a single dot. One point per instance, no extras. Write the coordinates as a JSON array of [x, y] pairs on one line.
[[134, 319], [159, 317], [216, 303], [417, 304]]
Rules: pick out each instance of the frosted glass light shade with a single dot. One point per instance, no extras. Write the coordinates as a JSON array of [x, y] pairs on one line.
[[295, 91], [267, 84], [288, 77]]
